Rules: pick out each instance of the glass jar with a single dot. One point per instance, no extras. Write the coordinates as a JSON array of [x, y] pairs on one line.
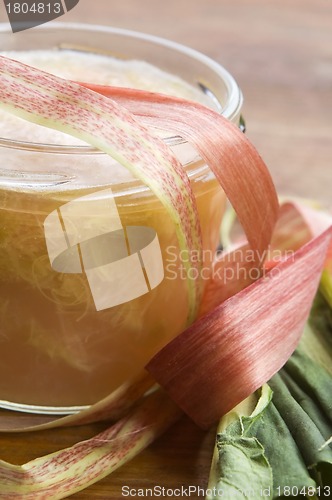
[[63, 344]]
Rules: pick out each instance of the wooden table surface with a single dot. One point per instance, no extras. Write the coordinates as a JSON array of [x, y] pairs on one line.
[[280, 52]]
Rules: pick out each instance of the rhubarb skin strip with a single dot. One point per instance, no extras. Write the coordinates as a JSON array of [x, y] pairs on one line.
[[232, 351], [70, 470], [234, 161], [291, 232]]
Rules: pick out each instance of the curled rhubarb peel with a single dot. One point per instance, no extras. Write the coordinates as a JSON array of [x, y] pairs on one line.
[[233, 159], [233, 350], [66, 106], [296, 226], [65, 472], [316, 222]]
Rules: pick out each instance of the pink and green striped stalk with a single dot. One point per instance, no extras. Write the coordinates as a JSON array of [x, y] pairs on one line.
[[70, 470]]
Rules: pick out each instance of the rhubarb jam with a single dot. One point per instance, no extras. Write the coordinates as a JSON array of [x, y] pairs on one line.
[[92, 282]]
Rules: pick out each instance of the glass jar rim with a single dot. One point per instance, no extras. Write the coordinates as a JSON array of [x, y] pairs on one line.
[[229, 110]]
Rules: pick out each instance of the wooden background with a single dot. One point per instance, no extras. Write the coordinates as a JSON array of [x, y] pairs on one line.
[[280, 52]]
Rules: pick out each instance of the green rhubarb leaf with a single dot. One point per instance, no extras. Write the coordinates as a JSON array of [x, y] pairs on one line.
[[241, 468], [305, 436], [258, 454], [288, 468], [296, 426], [244, 468], [285, 444], [310, 384]]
